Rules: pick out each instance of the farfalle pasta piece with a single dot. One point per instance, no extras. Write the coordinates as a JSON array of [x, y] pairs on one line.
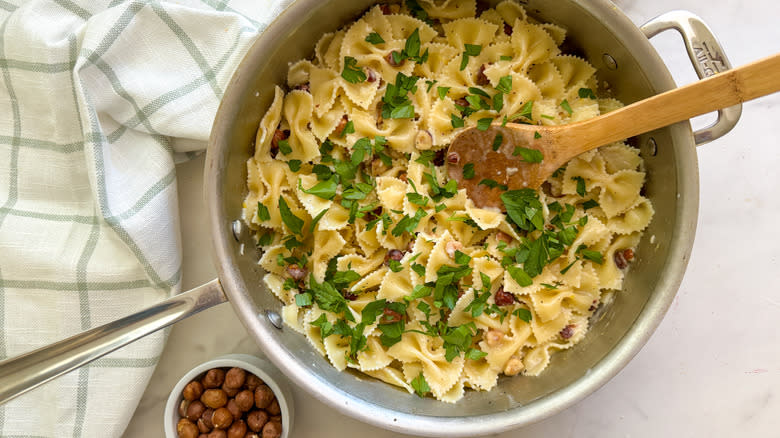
[[472, 31], [533, 45], [298, 109], [449, 9], [268, 125]]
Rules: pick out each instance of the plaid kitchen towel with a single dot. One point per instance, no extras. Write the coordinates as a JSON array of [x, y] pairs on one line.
[[97, 101]]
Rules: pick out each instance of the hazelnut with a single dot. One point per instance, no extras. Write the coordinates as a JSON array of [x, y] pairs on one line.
[[438, 158], [203, 427], [389, 316], [403, 177], [513, 366], [195, 410], [256, 420], [237, 429], [208, 414], [371, 76], [503, 237], [304, 87], [296, 272], [339, 131], [481, 78], [568, 331], [231, 392], [453, 158], [423, 140], [462, 102], [451, 247], [390, 58], [222, 418], [508, 29], [395, 254], [272, 429], [493, 337], [378, 167], [274, 408], [217, 433], [192, 391], [186, 429], [183, 407], [263, 396], [233, 408], [245, 400], [214, 398], [213, 378], [252, 381], [503, 298]]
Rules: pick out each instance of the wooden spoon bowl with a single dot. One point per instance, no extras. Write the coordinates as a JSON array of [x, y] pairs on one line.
[[515, 156]]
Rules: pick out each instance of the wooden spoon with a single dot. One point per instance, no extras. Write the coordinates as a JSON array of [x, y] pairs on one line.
[[559, 144]]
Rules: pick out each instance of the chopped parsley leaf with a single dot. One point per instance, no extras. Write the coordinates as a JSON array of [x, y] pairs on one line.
[[266, 238], [484, 124], [420, 385], [262, 212], [457, 122], [497, 141], [523, 314], [590, 203], [586, 93], [351, 72], [471, 50], [505, 84], [468, 171], [303, 300], [324, 189], [442, 92], [520, 276], [594, 256], [293, 222], [528, 155], [395, 266], [566, 107], [581, 189], [374, 38], [537, 135], [475, 354], [492, 184], [408, 223], [284, 146], [317, 219]]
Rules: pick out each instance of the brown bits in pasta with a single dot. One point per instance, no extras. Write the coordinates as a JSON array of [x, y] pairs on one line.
[[568, 331], [304, 87], [513, 366], [296, 272], [453, 158], [438, 159], [451, 247], [378, 167], [395, 254], [503, 237], [493, 337], [371, 75], [391, 58], [503, 298], [622, 258], [339, 131], [481, 78], [508, 29], [279, 135], [388, 9], [389, 316]]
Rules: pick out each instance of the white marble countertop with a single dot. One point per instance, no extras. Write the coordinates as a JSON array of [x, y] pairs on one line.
[[713, 366]]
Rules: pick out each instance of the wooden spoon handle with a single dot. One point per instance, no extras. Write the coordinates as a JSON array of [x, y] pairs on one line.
[[716, 92]]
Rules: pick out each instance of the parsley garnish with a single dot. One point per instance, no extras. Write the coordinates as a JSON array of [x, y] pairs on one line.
[[471, 50], [457, 122], [590, 203], [316, 219], [492, 184], [484, 124], [537, 135], [475, 354], [528, 155], [396, 102], [523, 314], [468, 171], [324, 189], [526, 111], [284, 146], [566, 107], [408, 223], [524, 209], [262, 212], [266, 238], [586, 93], [581, 189], [594, 256], [505, 84], [520, 276], [293, 222], [505, 58], [303, 300], [419, 384], [417, 11], [497, 140], [294, 165], [442, 92], [352, 73], [374, 38]]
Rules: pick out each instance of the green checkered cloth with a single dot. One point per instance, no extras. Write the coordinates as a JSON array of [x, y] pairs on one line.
[[98, 99]]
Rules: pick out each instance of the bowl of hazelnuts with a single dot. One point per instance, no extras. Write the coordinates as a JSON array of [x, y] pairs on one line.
[[233, 396]]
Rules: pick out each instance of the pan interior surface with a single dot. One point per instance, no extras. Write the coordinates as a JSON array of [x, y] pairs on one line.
[[597, 32]]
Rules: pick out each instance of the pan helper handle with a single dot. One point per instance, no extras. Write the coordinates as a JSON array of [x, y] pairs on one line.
[[708, 59]]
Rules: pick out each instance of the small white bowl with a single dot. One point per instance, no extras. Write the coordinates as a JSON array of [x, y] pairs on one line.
[[259, 367]]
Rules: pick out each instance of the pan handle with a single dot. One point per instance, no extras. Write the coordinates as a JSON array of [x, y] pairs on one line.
[[707, 57], [30, 370]]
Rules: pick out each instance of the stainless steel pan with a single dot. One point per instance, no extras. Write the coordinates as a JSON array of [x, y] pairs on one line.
[[624, 58]]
